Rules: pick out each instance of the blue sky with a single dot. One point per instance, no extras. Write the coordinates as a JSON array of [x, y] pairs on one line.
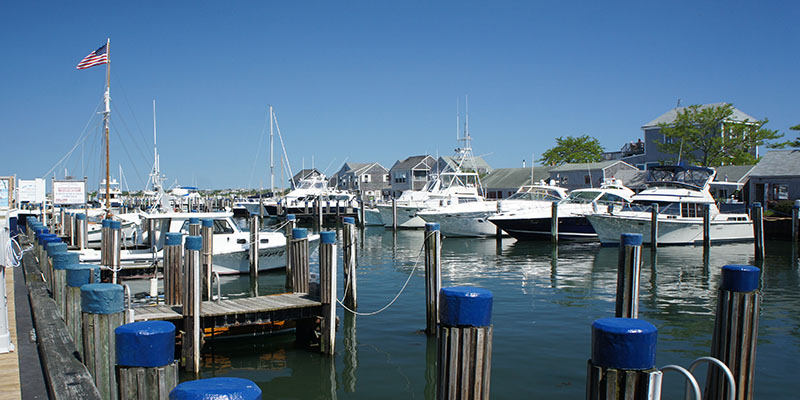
[[373, 81]]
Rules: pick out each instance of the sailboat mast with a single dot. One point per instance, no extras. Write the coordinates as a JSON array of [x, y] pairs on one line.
[[271, 163], [106, 115]]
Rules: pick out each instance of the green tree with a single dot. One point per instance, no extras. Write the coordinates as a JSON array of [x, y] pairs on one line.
[[789, 143], [571, 149], [709, 137]]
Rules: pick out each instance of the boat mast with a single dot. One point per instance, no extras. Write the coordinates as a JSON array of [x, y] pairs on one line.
[[106, 114], [271, 163]]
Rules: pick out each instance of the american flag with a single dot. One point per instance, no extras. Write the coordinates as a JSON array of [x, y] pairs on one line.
[[97, 57]]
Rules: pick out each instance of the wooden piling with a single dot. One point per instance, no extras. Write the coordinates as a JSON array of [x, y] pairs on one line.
[[60, 262], [191, 343], [173, 269], [349, 264], [254, 244], [299, 254], [795, 217], [146, 368], [654, 226], [102, 306], [758, 231], [629, 266], [433, 276], [706, 225], [554, 222], [82, 231], [194, 226], [464, 343], [629, 374], [291, 223], [394, 214], [105, 237], [327, 282], [735, 332], [77, 275], [114, 249], [207, 256]]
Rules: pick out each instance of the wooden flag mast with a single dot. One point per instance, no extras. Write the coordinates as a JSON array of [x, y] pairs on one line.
[[106, 113]]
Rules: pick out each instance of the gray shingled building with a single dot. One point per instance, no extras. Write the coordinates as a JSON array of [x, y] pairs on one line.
[[584, 175], [775, 177], [503, 182]]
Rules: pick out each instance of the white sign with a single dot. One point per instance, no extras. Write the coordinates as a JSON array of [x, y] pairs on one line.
[[5, 199], [32, 191], [69, 192]]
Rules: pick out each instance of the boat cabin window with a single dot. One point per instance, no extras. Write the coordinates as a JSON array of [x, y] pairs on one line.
[[691, 210], [220, 226], [466, 200], [610, 198], [538, 194], [582, 197]]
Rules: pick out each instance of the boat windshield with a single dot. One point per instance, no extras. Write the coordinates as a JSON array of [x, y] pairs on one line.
[[582, 197], [536, 194], [694, 177], [312, 184]]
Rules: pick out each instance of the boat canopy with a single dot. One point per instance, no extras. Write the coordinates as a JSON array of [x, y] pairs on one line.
[[679, 176]]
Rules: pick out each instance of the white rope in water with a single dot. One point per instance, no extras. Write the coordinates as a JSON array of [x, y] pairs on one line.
[[416, 262]]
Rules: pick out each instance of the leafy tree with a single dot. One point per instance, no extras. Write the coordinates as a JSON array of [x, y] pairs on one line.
[[582, 149], [709, 137], [789, 143]]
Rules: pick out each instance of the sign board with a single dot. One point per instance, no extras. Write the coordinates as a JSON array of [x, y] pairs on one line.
[[32, 191], [6, 192], [69, 192]]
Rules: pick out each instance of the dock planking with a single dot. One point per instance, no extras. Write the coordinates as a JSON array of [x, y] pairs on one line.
[[236, 312]]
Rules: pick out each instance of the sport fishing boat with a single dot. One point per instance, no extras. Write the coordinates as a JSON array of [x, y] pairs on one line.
[[681, 194], [301, 200], [535, 221]]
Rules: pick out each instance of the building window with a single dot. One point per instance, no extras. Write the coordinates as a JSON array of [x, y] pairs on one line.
[[365, 178], [587, 179], [386, 178]]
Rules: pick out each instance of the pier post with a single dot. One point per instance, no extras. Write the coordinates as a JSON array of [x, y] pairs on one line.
[[253, 253], [464, 343], [654, 226], [105, 237], [349, 263], [82, 231], [146, 365], [44, 240], [299, 254], [77, 275], [735, 332], [795, 217], [629, 267], [194, 226], [216, 388], [69, 224], [52, 245], [114, 255], [291, 223], [192, 338], [554, 222], [102, 305], [623, 360], [60, 262], [173, 268], [207, 232], [394, 214], [61, 222], [758, 230], [327, 283], [433, 275], [320, 212], [362, 214], [706, 225]]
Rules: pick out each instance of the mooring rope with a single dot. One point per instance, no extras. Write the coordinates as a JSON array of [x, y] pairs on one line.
[[402, 289]]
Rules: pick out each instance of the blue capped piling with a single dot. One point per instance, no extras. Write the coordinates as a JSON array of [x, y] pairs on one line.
[[629, 266], [192, 338], [433, 275], [216, 388], [735, 331], [102, 306], [173, 269], [145, 359], [622, 364], [299, 261], [464, 343], [350, 299], [327, 282]]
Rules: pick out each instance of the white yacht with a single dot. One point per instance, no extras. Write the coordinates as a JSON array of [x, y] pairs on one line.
[[681, 194], [112, 191], [301, 199], [535, 221]]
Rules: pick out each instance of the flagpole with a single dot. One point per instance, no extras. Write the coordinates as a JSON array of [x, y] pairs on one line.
[[106, 114]]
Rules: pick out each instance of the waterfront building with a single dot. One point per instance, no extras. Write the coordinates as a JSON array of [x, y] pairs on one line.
[[371, 179], [587, 175], [411, 174], [776, 177], [503, 182]]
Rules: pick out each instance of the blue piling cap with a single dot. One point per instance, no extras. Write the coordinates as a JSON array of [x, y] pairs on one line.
[[106, 223], [624, 343], [216, 389], [194, 243], [431, 226], [327, 237], [47, 237], [145, 344], [80, 216], [740, 278], [56, 247], [81, 274], [465, 306], [194, 221], [299, 233], [349, 220], [207, 223], [290, 217], [102, 298], [174, 239], [756, 204], [62, 259], [115, 225], [630, 239]]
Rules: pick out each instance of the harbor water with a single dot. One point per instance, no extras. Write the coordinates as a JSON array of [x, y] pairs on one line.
[[545, 300]]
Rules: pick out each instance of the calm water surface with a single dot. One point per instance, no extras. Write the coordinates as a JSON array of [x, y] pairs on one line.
[[545, 299]]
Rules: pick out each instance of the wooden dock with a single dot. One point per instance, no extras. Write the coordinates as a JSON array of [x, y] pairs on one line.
[[239, 312], [9, 362]]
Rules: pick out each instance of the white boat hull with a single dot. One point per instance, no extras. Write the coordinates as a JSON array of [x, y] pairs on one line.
[[671, 231], [475, 224], [406, 216]]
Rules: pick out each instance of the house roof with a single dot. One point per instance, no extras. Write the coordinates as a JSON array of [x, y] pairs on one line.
[[451, 162], [669, 116], [733, 173], [514, 177], [414, 161], [305, 173], [586, 166], [357, 168], [778, 163]]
